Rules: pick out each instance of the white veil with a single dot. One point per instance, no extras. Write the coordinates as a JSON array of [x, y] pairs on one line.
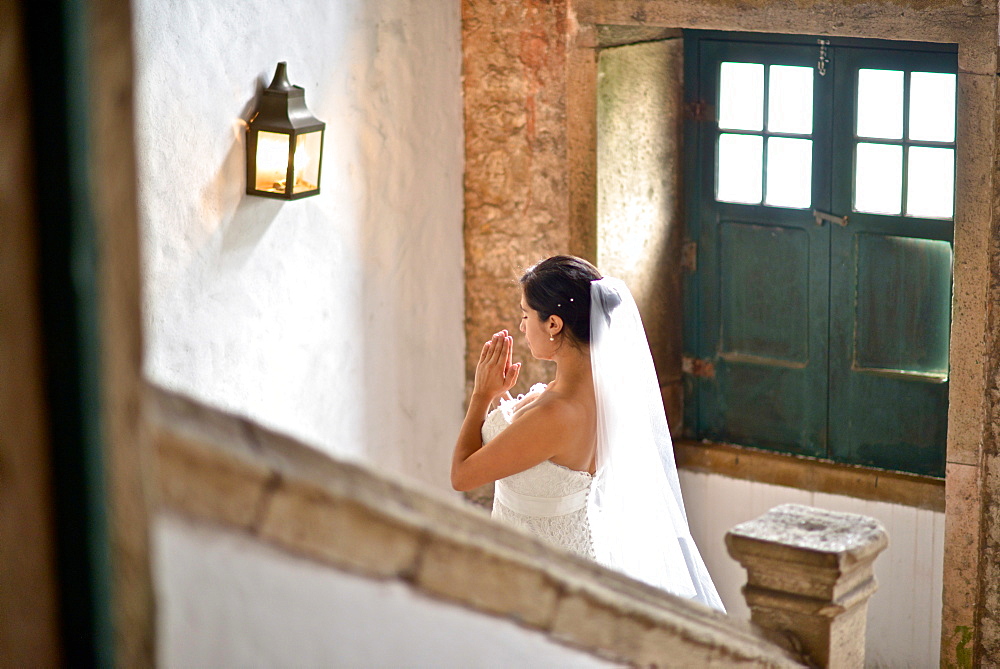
[[635, 508]]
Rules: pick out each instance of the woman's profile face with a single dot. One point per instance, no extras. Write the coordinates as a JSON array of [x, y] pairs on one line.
[[534, 330]]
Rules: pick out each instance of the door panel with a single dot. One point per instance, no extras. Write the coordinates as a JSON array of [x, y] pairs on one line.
[[901, 319], [815, 338], [890, 328], [766, 338], [765, 377], [764, 294], [763, 262]]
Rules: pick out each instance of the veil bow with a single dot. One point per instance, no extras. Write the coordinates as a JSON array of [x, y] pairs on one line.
[[635, 508]]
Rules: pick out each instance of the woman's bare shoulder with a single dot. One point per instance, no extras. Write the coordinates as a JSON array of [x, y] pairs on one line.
[[554, 407]]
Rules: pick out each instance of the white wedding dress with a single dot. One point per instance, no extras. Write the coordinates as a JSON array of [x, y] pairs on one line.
[[547, 500], [629, 516]]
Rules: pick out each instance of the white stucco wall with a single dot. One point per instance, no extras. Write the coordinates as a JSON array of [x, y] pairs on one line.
[[218, 595], [337, 319]]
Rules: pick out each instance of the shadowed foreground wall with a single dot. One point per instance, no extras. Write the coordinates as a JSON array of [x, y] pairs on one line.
[[218, 591]]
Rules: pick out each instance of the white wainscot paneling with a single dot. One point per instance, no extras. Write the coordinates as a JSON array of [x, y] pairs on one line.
[[904, 616]]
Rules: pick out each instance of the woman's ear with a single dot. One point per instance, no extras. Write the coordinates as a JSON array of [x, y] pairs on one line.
[[555, 325]]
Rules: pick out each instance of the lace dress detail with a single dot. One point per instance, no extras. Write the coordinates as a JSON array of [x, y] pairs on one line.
[[547, 500]]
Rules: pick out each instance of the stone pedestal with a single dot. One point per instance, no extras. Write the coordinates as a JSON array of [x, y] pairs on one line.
[[809, 577]]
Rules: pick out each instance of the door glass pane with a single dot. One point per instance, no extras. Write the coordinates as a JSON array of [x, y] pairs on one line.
[[789, 172], [790, 99], [740, 160], [932, 106], [880, 104], [741, 96], [930, 186], [878, 179]]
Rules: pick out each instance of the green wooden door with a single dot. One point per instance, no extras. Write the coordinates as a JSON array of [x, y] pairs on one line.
[[764, 268], [891, 265], [818, 315]]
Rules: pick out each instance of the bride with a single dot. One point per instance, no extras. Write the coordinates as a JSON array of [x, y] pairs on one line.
[[585, 462]]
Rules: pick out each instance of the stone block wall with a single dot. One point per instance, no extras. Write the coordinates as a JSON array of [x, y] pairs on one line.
[[518, 149]]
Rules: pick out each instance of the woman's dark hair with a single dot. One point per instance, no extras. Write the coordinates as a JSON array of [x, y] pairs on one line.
[[560, 285]]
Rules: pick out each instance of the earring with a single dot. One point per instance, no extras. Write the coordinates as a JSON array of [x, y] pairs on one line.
[[551, 338]]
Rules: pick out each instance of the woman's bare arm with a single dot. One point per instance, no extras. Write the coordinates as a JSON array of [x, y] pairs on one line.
[[495, 375], [540, 432], [543, 427], [469, 439]]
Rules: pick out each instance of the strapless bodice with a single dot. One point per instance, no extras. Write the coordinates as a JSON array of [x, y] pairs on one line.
[[548, 500]]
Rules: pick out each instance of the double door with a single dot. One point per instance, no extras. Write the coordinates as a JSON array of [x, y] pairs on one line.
[[821, 203]]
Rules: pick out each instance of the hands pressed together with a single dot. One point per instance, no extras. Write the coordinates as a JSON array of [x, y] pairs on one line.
[[495, 373]]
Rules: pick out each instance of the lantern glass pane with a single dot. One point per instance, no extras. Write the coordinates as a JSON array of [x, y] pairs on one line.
[[272, 161], [307, 153]]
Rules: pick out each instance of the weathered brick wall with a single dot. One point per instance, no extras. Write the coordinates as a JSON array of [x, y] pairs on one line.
[[516, 178]]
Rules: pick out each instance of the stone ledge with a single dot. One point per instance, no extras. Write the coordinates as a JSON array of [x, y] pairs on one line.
[[821, 538], [224, 469], [804, 473]]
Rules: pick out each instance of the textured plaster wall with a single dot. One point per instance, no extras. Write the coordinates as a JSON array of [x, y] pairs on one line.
[[217, 595], [639, 224], [338, 318]]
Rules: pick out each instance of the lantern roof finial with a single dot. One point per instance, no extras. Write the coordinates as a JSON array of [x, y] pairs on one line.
[[280, 81]]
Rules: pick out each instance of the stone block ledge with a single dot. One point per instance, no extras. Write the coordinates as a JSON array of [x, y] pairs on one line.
[[224, 469]]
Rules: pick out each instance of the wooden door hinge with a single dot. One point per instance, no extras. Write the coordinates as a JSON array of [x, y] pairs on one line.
[[698, 111], [698, 367], [689, 257]]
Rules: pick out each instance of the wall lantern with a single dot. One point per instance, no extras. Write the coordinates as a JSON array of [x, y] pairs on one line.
[[284, 143]]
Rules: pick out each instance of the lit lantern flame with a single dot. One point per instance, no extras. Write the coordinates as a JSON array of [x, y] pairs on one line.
[[272, 161]]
